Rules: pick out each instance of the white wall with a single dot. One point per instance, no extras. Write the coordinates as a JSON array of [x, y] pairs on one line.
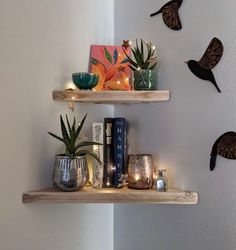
[[41, 44], [180, 133]]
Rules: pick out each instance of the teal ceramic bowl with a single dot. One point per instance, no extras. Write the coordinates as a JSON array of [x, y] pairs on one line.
[[85, 80]]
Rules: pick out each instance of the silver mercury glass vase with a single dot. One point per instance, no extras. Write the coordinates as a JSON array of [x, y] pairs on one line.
[[70, 173]]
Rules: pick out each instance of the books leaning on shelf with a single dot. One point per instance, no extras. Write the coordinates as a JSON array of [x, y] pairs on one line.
[[113, 154]]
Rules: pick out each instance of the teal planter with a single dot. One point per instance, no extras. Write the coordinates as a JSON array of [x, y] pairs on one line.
[[145, 79]]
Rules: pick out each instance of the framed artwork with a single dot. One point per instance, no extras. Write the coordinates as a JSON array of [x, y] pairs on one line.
[[110, 63]]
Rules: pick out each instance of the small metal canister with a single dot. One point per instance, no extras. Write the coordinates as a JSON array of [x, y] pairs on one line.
[[140, 171], [161, 182]]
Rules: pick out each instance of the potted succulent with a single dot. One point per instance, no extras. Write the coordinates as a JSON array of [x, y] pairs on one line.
[[143, 63], [70, 171]]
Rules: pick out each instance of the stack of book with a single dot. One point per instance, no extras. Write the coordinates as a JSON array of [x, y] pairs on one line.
[[114, 150]]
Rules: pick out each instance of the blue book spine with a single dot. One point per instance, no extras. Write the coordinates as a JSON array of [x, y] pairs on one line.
[[119, 149]]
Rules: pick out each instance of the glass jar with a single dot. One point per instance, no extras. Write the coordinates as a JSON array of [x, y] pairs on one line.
[[140, 171]]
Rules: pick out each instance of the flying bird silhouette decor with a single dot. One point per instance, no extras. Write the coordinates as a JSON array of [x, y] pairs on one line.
[[170, 14], [203, 68], [225, 146]]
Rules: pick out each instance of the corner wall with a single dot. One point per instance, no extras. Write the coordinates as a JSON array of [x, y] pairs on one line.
[[180, 133], [42, 43]]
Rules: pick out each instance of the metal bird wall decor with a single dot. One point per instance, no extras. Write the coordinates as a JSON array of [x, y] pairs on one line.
[[203, 68], [225, 146], [170, 14]]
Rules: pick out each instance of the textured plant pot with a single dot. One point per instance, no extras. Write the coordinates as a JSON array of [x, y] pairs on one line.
[[145, 79], [70, 173]]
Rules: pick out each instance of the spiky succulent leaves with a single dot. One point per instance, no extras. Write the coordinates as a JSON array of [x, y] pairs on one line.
[[150, 53], [133, 65], [77, 131], [140, 61], [142, 49], [57, 137], [138, 53], [66, 137], [70, 136], [69, 126], [85, 144]]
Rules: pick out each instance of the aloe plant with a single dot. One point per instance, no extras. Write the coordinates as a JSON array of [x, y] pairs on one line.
[[70, 135], [143, 56]]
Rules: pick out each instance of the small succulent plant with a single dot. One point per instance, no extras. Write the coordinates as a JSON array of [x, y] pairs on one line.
[[143, 56], [70, 135]]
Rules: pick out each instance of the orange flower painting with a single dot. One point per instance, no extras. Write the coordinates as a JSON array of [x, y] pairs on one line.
[[111, 64]]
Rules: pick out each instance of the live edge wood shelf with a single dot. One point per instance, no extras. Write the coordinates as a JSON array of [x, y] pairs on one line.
[[111, 97], [116, 196]]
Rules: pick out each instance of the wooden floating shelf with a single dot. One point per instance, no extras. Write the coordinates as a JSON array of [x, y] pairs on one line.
[[111, 97], [116, 196]]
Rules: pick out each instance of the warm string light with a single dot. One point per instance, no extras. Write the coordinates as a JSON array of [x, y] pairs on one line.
[[70, 85]]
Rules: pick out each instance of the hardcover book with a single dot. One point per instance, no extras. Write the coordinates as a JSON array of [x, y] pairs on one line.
[[98, 150], [108, 153], [119, 149]]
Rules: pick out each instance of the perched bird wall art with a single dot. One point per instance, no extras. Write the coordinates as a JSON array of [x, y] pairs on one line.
[[203, 68], [224, 146], [170, 14]]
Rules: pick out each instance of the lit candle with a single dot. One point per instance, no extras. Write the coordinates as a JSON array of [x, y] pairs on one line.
[[137, 177]]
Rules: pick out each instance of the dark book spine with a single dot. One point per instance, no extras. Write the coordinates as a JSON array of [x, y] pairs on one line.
[[119, 148], [126, 148], [108, 153]]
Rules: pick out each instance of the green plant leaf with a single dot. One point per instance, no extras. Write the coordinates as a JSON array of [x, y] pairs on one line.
[[142, 50], [73, 129], [130, 60], [133, 68], [149, 49], [137, 57], [57, 137], [107, 55], [139, 54], [146, 65], [79, 129], [64, 132], [115, 56], [69, 127], [86, 152], [94, 61]]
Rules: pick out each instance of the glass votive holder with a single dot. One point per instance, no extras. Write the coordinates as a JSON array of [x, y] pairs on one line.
[[140, 171]]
